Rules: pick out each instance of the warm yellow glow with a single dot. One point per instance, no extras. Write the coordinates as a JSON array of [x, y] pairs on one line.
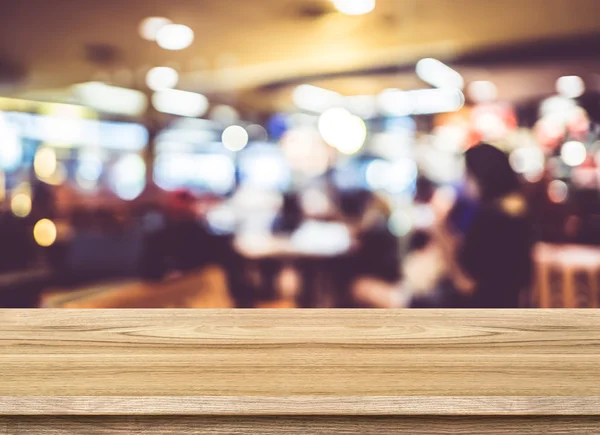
[[45, 233], [58, 177], [162, 77], [20, 205], [354, 7], [235, 138], [2, 186], [150, 27], [45, 163], [174, 37], [342, 130]]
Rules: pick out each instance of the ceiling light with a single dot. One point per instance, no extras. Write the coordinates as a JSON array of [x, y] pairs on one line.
[[438, 74], [175, 37], [111, 99], [235, 138], [150, 26], [342, 130], [570, 86], [354, 7], [315, 99], [162, 77], [180, 103], [573, 153], [420, 102]]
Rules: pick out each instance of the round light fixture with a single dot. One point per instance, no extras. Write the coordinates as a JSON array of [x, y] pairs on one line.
[[162, 77], [573, 153], [354, 7], [235, 138], [175, 37], [45, 233], [342, 130], [150, 26]]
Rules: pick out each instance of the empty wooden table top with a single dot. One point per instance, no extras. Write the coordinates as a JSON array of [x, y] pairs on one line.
[[270, 362]]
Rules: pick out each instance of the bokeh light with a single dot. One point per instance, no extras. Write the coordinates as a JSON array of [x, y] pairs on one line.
[[315, 99], [235, 138], [483, 91], [45, 233], [394, 177], [180, 103], [438, 74], [224, 115], [354, 7], [2, 186], [342, 130], [174, 37], [305, 151], [150, 26], [11, 150], [573, 153], [529, 161], [570, 86], [257, 133], [20, 205], [400, 223], [128, 177], [558, 191], [89, 170], [162, 77], [59, 176], [44, 163]]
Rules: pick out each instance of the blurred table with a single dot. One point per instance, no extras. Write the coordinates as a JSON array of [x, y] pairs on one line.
[[315, 251], [206, 288], [567, 276]]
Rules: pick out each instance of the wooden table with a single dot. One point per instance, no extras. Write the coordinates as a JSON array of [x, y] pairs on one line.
[[318, 263], [299, 372]]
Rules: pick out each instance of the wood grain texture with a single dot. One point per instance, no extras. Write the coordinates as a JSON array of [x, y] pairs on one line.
[[301, 405], [177, 425], [300, 362]]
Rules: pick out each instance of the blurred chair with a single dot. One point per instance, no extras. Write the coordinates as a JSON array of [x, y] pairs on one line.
[[567, 276], [105, 256]]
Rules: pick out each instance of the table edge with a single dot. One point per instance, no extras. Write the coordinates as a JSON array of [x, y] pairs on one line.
[[302, 405]]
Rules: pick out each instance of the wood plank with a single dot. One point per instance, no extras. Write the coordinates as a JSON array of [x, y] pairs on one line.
[[301, 405], [176, 425], [220, 361]]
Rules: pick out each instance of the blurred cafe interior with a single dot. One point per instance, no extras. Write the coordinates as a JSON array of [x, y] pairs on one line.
[[299, 154]]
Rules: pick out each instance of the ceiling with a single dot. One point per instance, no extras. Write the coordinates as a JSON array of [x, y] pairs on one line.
[[243, 47]]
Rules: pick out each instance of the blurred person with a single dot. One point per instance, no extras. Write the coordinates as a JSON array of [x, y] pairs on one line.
[[495, 253], [477, 256], [376, 257], [181, 245], [291, 215]]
